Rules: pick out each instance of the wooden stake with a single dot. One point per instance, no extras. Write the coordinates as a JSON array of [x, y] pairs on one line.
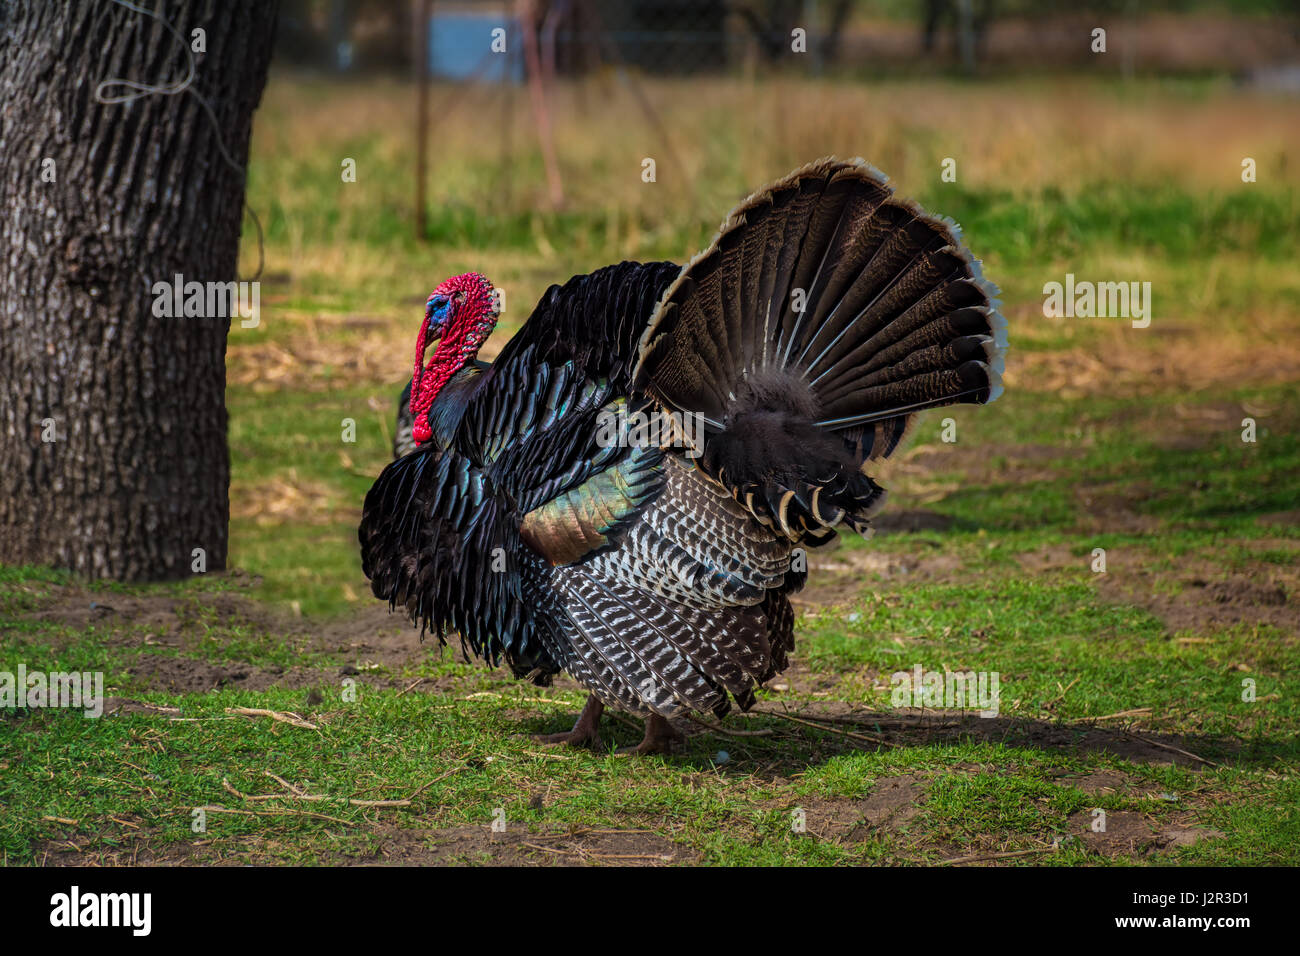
[[425, 11]]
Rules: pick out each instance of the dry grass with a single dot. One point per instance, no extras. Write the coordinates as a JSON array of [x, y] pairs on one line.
[[731, 134], [349, 277]]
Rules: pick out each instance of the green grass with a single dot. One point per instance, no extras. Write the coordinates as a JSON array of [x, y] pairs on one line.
[[154, 774], [463, 741]]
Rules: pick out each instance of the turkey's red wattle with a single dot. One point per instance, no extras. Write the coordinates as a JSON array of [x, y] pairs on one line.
[[474, 314], [420, 430]]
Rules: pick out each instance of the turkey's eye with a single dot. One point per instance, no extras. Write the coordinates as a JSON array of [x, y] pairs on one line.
[[437, 311]]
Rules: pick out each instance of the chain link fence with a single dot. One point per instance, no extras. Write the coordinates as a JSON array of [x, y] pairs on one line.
[[685, 37]]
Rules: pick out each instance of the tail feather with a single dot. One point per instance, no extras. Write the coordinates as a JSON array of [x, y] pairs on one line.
[[889, 282], [891, 253], [848, 258], [826, 308]]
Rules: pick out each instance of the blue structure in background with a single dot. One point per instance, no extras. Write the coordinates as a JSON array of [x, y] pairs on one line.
[[460, 47]]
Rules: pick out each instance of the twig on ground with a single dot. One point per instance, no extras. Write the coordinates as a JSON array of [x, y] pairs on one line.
[[295, 720], [1061, 695], [629, 722], [728, 733], [546, 849], [1172, 749], [1136, 712], [419, 790], [546, 756], [478, 695], [270, 813], [297, 793], [868, 738], [980, 857]]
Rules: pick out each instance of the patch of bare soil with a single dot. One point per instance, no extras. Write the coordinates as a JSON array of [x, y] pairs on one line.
[[803, 681], [1079, 738], [375, 636], [895, 801], [1196, 428], [159, 615], [892, 803], [1125, 832], [1280, 519], [185, 675], [1211, 600], [471, 844], [837, 575], [370, 644], [924, 465], [1129, 833], [1173, 358], [1198, 596], [1109, 511], [1099, 782], [400, 846]]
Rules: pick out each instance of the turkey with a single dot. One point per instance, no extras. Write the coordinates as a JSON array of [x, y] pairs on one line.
[[546, 518]]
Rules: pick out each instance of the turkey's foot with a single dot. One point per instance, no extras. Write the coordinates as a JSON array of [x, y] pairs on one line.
[[585, 733], [660, 738]]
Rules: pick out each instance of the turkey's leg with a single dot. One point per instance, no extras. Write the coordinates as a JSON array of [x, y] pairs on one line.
[[660, 738], [586, 732]]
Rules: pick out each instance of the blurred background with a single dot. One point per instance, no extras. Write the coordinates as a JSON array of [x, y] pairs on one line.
[[1116, 155]]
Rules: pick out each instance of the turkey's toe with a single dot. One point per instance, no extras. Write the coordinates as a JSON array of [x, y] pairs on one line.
[[585, 733], [660, 738], [571, 738]]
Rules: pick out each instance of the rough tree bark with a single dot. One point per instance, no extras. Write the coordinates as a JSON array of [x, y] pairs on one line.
[[100, 203]]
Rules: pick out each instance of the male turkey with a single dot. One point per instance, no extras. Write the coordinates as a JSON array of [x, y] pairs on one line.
[[823, 316]]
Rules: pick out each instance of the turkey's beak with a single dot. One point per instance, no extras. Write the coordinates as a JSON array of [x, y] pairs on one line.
[[432, 333]]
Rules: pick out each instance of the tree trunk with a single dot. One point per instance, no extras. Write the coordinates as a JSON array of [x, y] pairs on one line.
[[113, 454]]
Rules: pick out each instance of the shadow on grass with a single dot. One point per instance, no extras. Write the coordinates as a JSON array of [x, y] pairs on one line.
[[786, 744]]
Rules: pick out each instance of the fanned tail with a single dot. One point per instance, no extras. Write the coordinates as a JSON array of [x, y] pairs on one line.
[[824, 316]]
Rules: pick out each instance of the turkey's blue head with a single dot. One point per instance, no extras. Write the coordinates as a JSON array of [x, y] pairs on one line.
[[459, 316]]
